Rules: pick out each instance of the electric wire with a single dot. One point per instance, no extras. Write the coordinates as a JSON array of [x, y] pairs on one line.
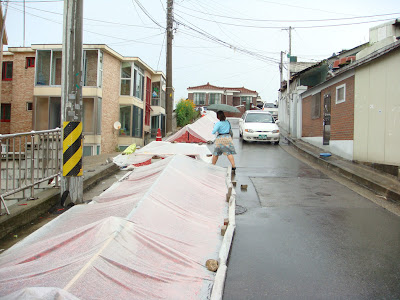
[[96, 33], [226, 44], [162, 46], [282, 27], [148, 14], [94, 20], [290, 20]]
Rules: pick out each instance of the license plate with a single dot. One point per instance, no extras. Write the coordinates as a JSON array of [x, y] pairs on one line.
[[262, 137]]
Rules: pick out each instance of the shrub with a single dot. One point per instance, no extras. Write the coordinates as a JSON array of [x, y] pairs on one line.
[[185, 112]]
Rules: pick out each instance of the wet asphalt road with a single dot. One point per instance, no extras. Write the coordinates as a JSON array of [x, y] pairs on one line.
[[305, 236]]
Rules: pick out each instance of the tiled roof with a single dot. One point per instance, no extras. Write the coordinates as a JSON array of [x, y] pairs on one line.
[[208, 86]]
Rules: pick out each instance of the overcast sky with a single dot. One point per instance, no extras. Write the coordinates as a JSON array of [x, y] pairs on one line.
[[230, 43]]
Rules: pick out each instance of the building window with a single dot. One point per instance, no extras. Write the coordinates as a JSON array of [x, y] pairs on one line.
[[340, 93], [247, 100], [155, 94], [131, 115], [125, 114], [5, 112], [316, 106], [199, 98], [132, 83], [137, 125], [43, 67], [56, 68], [30, 62], [87, 151], [29, 106], [139, 83], [7, 70], [100, 73], [126, 75], [215, 98]]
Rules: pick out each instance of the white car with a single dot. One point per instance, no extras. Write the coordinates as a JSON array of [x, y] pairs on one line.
[[271, 108], [260, 126], [202, 110]]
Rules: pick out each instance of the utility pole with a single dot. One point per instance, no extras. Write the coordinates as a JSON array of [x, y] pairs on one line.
[[71, 103], [169, 89], [281, 70], [288, 79]]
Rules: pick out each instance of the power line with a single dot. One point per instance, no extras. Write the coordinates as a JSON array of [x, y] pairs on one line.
[[282, 27], [226, 44], [290, 20], [33, 1], [148, 14], [162, 46], [90, 19], [101, 34]]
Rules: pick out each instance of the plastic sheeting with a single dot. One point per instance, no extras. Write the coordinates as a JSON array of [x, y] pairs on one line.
[[123, 160], [198, 132], [163, 149], [147, 237]]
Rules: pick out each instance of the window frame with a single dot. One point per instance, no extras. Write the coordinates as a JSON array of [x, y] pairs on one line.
[[338, 101], [30, 62], [215, 100], [29, 103], [4, 71], [3, 113], [126, 79], [196, 99], [316, 106], [138, 82]]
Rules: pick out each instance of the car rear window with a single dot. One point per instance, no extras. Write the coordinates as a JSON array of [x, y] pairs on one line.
[[259, 118]]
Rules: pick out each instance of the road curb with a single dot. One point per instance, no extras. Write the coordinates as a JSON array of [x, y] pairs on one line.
[[390, 192], [220, 276], [22, 215]]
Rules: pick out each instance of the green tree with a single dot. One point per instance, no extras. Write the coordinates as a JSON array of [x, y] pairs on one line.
[[185, 112]]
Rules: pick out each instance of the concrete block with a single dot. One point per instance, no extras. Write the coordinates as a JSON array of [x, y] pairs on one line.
[[223, 230]]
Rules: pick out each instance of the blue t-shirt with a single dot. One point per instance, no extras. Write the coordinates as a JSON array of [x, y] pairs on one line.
[[222, 127]]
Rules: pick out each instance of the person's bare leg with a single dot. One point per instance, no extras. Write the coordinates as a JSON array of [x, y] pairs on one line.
[[232, 160], [214, 159]]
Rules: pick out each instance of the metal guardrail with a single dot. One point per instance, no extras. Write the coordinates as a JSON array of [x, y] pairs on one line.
[[28, 159]]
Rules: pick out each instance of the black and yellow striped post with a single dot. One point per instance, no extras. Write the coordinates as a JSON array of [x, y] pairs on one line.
[[72, 149]]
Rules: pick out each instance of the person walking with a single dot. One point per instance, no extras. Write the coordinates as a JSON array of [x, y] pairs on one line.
[[223, 142]]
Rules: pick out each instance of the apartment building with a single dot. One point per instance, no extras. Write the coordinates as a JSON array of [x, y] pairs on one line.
[[115, 88]]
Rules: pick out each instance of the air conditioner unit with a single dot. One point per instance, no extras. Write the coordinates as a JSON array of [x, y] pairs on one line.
[[4, 148]]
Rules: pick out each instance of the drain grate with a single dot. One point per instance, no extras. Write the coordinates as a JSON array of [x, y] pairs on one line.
[[240, 210]]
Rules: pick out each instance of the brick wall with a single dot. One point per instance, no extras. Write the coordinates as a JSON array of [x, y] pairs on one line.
[[342, 114], [23, 84], [17, 92], [311, 127], [110, 103]]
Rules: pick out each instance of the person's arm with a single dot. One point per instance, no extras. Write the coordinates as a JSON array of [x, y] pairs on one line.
[[216, 127]]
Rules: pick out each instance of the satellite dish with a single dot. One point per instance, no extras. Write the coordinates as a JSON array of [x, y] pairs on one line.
[[164, 87], [117, 125]]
